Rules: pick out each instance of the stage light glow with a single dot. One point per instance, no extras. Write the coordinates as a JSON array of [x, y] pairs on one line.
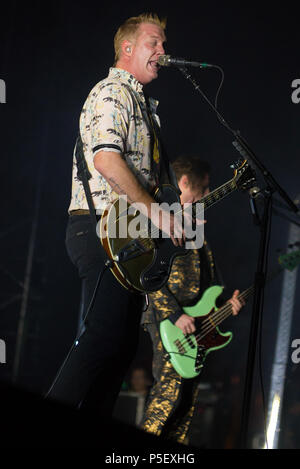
[[272, 422]]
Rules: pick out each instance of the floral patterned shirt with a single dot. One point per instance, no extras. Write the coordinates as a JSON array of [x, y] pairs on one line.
[[114, 118]]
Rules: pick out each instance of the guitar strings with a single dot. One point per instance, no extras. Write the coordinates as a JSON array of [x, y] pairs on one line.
[[222, 313], [218, 317], [209, 199], [226, 310]]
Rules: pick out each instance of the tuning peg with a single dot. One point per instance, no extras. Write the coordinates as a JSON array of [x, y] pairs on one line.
[[236, 164]]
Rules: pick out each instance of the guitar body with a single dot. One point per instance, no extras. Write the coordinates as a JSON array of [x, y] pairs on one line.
[[151, 267], [188, 353], [143, 263]]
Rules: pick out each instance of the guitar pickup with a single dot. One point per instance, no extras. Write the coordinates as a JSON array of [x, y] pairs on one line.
[[132, 249], [190, 342], [179, 346], [160, 274]]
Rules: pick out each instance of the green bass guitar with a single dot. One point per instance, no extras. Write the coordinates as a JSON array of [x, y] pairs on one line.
[[188, 352]]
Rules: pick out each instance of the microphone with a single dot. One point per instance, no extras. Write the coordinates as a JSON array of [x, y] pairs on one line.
[[167, 60]]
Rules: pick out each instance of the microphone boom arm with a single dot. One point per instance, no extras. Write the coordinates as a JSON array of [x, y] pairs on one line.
[[265, 230], [242, 146]]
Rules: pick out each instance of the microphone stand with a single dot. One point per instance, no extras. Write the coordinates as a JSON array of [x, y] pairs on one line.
[[265, 228]]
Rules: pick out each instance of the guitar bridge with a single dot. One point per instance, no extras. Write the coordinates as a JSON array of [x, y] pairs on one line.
[[200, 358]]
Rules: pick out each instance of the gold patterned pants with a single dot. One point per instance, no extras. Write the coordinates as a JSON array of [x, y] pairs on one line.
[[171, 402]]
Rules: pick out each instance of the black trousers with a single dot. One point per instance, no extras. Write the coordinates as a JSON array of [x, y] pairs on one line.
[[92, 375]]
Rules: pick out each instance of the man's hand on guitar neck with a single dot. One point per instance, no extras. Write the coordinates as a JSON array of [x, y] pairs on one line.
[[169, 224], [236, 303], [187, 323], [175, 225]]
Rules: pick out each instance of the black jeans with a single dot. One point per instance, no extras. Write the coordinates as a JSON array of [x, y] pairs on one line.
[[93, 373]]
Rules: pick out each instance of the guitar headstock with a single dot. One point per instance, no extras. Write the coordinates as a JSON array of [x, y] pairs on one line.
[[290, 260], [244, 175]]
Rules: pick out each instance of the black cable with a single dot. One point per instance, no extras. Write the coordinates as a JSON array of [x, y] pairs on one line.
[[217, 67], [189, 77], [220, 86], [108, 264], [181, 354]]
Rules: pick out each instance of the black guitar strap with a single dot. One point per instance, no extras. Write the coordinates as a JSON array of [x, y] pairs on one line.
[[84, 175]]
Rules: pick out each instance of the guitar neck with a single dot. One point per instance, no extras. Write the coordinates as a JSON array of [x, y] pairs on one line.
[[225, 311], [217, 195]]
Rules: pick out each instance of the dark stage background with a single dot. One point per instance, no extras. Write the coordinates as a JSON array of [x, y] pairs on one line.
[[51, 55]]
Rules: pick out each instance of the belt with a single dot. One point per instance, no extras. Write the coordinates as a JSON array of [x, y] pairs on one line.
[[79, 212], [82, 212]]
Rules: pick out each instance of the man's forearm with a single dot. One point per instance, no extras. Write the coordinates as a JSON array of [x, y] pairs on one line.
[[114, 169], [121, 179]]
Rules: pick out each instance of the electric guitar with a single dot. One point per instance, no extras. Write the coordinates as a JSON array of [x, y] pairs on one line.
[[188, 352], [143, 264]]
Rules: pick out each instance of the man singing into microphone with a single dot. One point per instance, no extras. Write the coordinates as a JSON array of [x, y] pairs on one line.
[[123, 156]]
